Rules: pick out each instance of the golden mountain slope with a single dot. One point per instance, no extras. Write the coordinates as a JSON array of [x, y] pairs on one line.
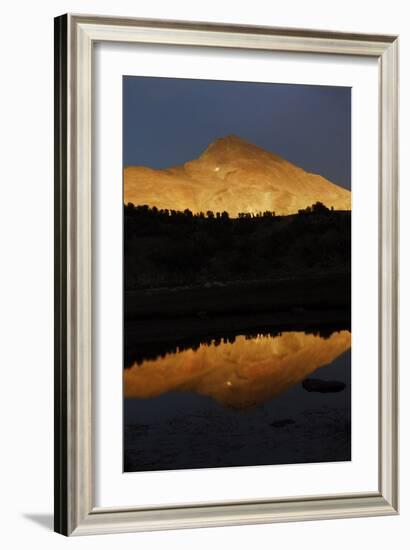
[[236, 176], [239, 375]]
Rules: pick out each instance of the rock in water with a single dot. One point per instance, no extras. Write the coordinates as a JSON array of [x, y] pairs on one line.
[[323, 386], [282, 423]]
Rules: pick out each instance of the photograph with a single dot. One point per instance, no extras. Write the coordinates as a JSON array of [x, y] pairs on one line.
[[236, 273], [225, 274]]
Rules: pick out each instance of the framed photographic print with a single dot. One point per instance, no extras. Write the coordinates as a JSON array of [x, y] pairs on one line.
[[226, 275]]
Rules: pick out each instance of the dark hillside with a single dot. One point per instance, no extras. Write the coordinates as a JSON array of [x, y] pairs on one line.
[[172, 249]]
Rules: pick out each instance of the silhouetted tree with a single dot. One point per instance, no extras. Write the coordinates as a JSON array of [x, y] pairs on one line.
[[319, 207]]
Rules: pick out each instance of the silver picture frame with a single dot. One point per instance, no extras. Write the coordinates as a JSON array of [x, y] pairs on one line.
[[75, 513]]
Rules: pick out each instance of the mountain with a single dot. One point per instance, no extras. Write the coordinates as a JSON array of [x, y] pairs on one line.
[[236, 176], [240, 375]]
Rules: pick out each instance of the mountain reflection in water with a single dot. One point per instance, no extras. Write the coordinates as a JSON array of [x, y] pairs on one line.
[[238, 374]]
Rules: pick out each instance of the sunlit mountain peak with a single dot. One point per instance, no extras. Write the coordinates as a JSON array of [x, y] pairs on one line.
[[236, 176]]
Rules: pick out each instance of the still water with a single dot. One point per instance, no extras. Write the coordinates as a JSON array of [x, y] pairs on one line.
[[239, 402]]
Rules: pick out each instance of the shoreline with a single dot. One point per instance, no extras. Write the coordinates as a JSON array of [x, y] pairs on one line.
[[286, 294], [153, 337]]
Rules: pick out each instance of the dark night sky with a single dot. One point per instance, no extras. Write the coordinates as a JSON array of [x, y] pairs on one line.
[[168, 121]]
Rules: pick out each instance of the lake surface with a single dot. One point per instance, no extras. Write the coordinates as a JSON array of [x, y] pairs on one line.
[[239, 401]]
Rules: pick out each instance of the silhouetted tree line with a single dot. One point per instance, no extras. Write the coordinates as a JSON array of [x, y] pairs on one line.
[[174, 248], [178, 215]]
